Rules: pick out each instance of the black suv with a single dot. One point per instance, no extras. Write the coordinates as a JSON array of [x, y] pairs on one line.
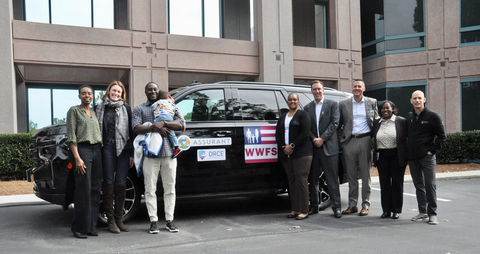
[[229, 146]]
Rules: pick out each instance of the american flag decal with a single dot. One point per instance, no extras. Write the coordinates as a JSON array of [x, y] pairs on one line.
[[260, 145]]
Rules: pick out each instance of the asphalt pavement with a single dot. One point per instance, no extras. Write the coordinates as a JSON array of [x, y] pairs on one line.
[[31, 199]]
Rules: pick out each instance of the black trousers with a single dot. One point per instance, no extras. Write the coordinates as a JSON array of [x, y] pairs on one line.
[[87, 189], [297, 172], [423, 176], [391, 176], [329, 165]]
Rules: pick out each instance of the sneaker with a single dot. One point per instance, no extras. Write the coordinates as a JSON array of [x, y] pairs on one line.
[[177, 152], [432, 220], [171, 227], [420, 217], [153, 228]]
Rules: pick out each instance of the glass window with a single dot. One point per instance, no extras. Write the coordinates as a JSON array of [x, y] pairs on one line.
[[185, 17], [389, 25], [304, 99], [212, 18], [39, 108], [320, 24], [470, 21], [103, 14], [63, 99], [258, 105], [470, 105], [72, 12], [400, 95], [47, 106], [37, 11], [206, 105], [282, 103], [310, 23]]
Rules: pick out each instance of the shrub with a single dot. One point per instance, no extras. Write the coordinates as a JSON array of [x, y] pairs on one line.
[[460, 147], [15, 156]]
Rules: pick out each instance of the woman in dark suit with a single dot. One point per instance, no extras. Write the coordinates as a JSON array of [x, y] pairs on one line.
[[295, 154], [390, 146], [115, 119]]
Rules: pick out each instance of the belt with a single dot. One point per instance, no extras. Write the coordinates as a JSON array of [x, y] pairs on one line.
[[361, 135]]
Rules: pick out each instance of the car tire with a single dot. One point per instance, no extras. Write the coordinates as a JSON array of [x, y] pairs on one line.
[[323, 196], [132, 201]]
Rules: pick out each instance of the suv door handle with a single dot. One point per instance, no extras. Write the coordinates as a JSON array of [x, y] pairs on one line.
[[221, 133]]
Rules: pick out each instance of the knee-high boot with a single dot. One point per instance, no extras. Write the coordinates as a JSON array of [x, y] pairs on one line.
[[120, 192], [108, 206]]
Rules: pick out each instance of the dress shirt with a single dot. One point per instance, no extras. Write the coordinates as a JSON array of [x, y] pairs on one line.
[[318, 112], [387, 135], [360, 124]]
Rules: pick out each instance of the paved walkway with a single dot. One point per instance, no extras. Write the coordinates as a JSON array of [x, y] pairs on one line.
[[31, 199]]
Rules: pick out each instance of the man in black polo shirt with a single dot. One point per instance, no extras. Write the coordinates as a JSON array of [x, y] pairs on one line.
[[426, 134]]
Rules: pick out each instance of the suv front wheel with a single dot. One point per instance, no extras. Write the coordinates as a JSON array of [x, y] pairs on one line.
[[132, 201]]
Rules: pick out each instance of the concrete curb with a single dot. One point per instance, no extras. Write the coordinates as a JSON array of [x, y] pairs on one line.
[[31, 199]]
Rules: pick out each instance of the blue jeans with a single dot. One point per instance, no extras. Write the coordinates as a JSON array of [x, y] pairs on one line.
[[168, 118], [115, 169], [423, 176], [87, 189]]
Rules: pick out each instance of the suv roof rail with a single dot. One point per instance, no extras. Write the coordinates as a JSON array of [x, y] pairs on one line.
[[266, 83]]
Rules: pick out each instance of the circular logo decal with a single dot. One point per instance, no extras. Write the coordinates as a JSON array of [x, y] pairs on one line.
[[184, 142]]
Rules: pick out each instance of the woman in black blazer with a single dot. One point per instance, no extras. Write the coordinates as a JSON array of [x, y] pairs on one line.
[[390, 146], [115, 119], [295, 154]]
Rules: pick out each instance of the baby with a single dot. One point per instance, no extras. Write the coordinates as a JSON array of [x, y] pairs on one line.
[[164, 110]]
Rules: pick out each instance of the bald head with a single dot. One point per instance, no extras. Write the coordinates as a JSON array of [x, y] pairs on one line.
[[418, 101]]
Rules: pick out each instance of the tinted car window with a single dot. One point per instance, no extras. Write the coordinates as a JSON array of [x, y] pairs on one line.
[[282, 103], [304, 100], [258, 105], [205, 105]]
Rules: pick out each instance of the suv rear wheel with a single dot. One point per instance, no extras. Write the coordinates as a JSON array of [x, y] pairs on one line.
[[323, 196]]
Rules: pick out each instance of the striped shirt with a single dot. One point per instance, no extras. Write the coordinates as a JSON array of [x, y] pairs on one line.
[[143, 113]]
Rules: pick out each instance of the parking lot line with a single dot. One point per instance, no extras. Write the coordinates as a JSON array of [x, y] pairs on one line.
[[413, 195]]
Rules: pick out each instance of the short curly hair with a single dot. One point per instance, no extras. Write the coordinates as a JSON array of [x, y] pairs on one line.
[[392, 105]]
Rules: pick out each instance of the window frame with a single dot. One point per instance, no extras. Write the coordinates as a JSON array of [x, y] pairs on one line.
[[220, 22], [397, 37], [465, 80], [92, 14], [466, 29], [52, 88]]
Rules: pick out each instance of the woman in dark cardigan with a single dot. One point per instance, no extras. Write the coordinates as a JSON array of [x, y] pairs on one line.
[[115, 119], [390, 146], [295, 154]]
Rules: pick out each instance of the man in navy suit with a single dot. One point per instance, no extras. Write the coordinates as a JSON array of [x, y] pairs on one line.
[[354, 132], [324, 116]]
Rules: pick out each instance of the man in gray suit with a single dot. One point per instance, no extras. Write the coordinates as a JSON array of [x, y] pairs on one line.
[[354, 132], [324, 116]]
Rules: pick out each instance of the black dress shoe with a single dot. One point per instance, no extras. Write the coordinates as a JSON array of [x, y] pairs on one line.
[[290, 216], [337, 213], [313, 210], [302, 217], [385, 215], [92, 233], [79, 235], [395, 216]]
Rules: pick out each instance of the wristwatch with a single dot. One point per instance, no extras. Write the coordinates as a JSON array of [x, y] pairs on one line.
[[292, 145]]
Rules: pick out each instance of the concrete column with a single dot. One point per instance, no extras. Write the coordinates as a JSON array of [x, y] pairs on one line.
[[273, 23], [140, 78], [8, 107]]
